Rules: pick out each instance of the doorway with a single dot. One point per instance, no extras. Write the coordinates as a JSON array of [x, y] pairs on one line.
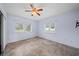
[[1, 15]]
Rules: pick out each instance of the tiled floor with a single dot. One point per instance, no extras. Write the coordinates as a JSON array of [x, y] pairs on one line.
[[39, 47]]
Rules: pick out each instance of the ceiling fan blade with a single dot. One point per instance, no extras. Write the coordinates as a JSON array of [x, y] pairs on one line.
[[37, 13], [31, 5], [28, 11], [40, 10]]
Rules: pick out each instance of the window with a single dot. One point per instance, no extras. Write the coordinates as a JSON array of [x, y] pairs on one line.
[[27, 28], [23, 28], [19, 28], [50, 27]]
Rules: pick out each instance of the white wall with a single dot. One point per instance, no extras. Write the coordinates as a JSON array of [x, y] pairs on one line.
[[14, 36], [66, 32]]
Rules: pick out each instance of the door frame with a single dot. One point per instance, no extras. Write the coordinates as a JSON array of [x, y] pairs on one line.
[[1, 32]]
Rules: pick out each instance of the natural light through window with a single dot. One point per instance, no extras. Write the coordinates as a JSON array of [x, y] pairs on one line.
[[28, 28], [23, 28], [50, 27]]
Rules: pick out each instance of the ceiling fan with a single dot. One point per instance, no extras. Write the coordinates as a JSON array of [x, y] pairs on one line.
[[34, 10]]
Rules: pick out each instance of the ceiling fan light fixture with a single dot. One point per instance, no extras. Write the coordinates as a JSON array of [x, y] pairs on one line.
[[35, 11]]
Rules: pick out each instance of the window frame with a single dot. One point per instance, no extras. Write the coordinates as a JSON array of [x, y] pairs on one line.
[[23, 30], [30, 28], [49, 31]]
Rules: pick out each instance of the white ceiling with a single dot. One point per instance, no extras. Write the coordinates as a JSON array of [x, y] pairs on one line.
[[49, 9]]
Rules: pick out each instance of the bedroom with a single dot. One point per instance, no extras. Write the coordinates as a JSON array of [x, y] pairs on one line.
[[53, 31]]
